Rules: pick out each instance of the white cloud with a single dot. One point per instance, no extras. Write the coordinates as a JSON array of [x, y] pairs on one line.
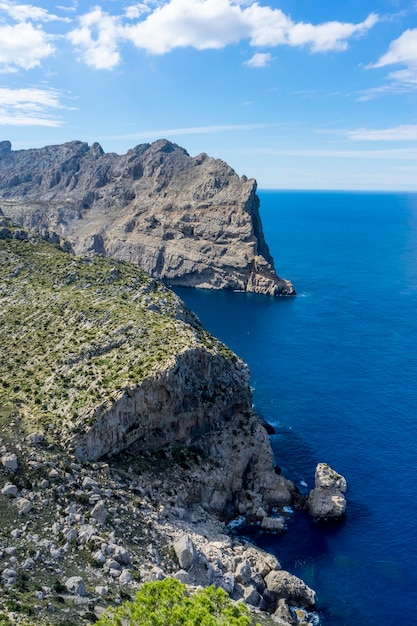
[[397, 133], [136, 10], [214, 24], [402, 51], [259, 59], [97, 39], [330, 35], [23, 46], [27, 12], [201, 24], [29, 107]]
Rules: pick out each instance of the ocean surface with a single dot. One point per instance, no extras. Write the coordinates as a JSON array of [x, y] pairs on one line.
[[335, 371]]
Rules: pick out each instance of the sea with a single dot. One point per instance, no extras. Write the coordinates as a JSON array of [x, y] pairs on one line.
[[334, 370]]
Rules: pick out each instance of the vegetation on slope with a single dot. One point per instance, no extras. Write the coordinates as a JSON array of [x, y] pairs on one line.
[[170, 602], [75, 331]]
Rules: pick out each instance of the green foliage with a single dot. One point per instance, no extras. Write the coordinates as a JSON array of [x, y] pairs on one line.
[[169, 603]]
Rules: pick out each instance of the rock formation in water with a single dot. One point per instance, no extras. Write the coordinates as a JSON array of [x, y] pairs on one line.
[[327, 500], [187, 221]]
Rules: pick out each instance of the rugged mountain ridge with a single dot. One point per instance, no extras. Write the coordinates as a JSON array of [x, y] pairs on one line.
[[187, 221]]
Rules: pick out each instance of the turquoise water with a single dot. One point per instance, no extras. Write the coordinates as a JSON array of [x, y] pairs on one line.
[[335, 371]]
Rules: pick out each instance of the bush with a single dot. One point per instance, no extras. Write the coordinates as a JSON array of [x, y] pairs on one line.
[[169, 603]]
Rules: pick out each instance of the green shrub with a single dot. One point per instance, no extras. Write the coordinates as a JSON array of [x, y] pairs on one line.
[[169, 603]]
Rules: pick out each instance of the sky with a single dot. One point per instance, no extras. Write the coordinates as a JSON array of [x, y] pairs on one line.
[[299, 94]]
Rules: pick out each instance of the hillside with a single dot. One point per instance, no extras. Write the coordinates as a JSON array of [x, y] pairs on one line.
[[128, 441]]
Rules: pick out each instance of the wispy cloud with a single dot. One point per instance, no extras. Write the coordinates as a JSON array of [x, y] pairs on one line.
[[28, 12], [192, 130], [259, 59], [409, 154], [401, 51], [29, 107], [397, 133]]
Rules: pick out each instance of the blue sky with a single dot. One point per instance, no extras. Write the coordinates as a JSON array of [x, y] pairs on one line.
[[296, 93]]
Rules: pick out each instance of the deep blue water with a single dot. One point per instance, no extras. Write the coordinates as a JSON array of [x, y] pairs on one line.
[[335, 371]]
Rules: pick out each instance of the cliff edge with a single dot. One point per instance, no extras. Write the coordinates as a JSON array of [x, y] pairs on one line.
[[186, 221]]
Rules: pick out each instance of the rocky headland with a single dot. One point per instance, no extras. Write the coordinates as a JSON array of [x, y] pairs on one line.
[[186, 221], [128, 443]]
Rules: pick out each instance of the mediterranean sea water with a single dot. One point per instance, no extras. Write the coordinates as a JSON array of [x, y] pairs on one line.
[[335, 371]]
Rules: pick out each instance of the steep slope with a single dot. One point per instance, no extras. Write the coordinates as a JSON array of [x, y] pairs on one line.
[[187, 221], [127, 439]]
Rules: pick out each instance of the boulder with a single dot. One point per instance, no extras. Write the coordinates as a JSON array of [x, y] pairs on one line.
[[185, 551], [76, 586], [283, 585], [9, 462], [9, 490], [327, 499]]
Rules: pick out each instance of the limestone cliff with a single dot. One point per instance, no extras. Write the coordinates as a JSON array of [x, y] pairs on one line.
[[187, 221]]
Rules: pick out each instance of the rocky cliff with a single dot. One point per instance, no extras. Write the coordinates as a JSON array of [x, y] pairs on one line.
[[187, 221], [127, 440]]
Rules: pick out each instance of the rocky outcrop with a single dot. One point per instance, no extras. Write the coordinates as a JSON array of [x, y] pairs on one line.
[[187, 221], [327, 499]]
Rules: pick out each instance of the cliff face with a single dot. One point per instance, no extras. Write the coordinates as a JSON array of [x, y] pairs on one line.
[[187, 221]]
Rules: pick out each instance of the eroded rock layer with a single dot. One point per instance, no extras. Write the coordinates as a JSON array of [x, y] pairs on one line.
[[187, 221]]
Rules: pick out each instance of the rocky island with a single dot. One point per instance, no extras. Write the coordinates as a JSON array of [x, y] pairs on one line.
[[186, 221]]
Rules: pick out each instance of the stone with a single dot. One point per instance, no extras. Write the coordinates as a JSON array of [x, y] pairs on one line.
[[273, 524], [182, 576], [122, 556], [284, 613], [243, 572], [24, 506], [282, 584], [99, 512], [9, 576], [327, 499], [251, 595], [9, 462], [76, 586], [125, 577], [185, 551], [10, 490], [101, 590]]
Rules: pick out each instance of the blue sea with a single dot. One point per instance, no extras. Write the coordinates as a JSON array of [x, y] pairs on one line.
[[335, 371]]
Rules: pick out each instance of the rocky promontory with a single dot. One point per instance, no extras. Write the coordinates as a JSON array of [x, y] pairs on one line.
[[128, 442], [188, 221]]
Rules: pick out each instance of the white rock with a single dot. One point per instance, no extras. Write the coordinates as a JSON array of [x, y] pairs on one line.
[[101, 590], [125, 577], [243, 572], [273, 524], [9, 462], [99, 512], [10, 490], [76, 586], [185, 551], [24, 506]]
